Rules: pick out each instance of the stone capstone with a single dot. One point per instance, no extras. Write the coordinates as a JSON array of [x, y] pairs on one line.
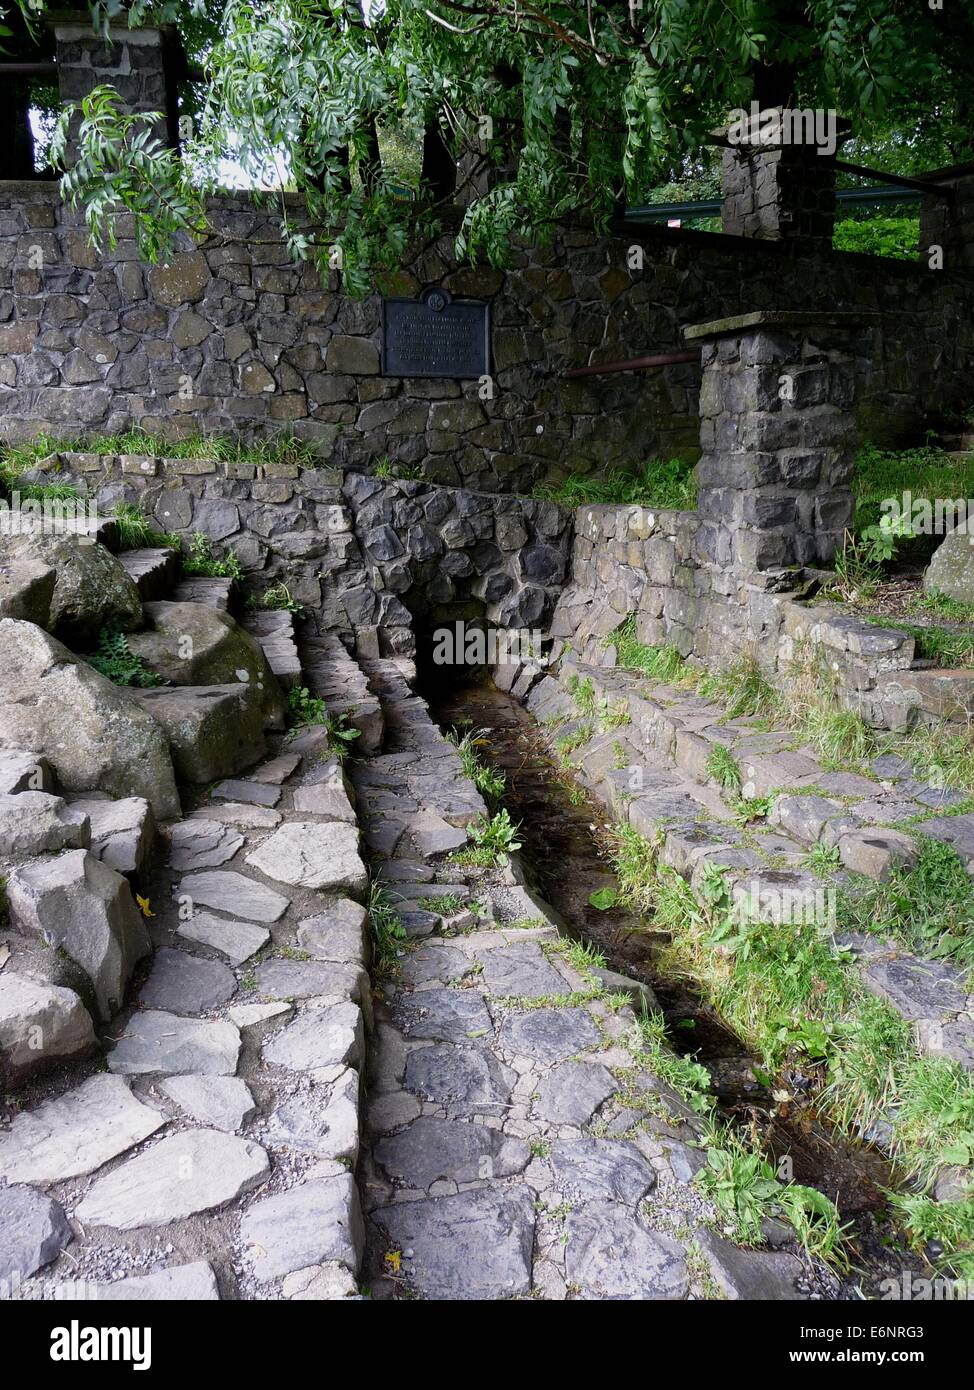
[[317, 1221], [40, 1024], [474, 1245], [33, 1231]]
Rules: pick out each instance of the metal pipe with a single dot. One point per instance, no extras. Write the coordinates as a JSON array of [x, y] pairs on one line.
[[634, 364], [28, 69], [900, 180]]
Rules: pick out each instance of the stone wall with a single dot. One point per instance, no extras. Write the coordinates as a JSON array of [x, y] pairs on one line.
[[233, 337], [632, 562], [364, 556]]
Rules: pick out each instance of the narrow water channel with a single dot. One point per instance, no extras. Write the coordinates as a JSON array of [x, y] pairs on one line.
[[563, 848]]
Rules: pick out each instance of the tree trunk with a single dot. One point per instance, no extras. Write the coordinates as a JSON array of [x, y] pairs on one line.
[[439, 173]]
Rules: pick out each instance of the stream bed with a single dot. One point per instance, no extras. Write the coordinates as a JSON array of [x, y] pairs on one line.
[[563, 846]]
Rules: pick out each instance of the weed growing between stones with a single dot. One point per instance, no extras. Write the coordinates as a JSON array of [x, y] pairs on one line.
[[113, 659], [489, 783], [388, 933], [277, 598], [202, 561], [722, 767], [305, 709], [745, 1189], [739, 1180], [495, 835]]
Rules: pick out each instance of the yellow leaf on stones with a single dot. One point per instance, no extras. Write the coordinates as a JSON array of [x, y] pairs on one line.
[[144, 905], [394, 1261]]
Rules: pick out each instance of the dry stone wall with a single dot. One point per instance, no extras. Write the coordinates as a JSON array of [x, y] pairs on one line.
[[231, 336], [364, 556]]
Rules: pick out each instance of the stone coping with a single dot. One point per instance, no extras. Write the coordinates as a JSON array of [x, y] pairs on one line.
[[781, 318]]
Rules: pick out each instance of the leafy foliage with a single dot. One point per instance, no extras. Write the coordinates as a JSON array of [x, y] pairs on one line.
[[574, 107], [113, 659], [202, 561], [879, 236]]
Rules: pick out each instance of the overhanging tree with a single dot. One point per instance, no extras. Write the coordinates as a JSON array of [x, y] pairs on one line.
[[571, 107]]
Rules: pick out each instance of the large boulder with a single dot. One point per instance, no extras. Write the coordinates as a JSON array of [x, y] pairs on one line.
[[193, 644], [40, 1025], [214, 731], [91, 590], [93, 734], [80, 905], [951, 571]]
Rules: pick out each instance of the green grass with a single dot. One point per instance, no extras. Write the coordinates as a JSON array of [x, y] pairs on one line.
[[666, 484], [279, 449], [824, 860], [722, 767], [924, 472], [582, 692], [385, 468], [662, 663], [447, 905], [943, 606], [388, 932], [794, 999], [840, 738], [743, 688], [929, 908], [136, 532], [489, 783]]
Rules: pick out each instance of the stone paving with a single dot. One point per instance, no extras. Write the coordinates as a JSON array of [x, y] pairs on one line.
[[519, 1145], [215, 1156]]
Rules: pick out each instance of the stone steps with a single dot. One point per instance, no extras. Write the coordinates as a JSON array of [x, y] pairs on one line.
[[215, 1157], [155, 571], [274, 630], [216, 592], [333, 675], [517, 1144], [653, 770], [415, 800]]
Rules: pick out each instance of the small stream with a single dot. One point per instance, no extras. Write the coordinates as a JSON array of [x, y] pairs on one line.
[[563, 838]]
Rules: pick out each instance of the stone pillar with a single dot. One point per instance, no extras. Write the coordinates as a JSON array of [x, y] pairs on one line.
[[949, 223], [143, 65], [777, 434], [780, 192]]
